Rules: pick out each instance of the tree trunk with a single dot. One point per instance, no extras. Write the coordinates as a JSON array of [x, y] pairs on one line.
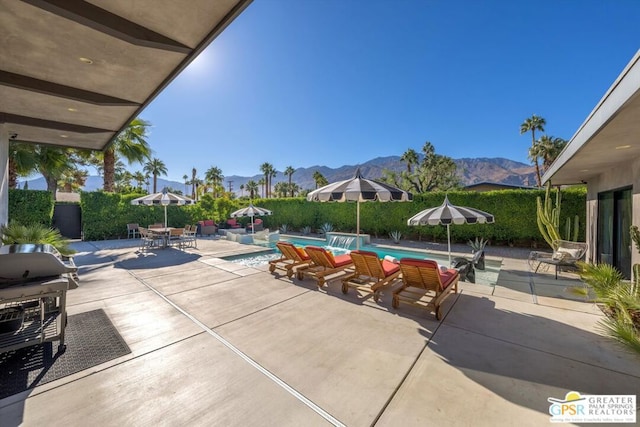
[[52, 184], [13, 174], [155, 183], [109, 169]]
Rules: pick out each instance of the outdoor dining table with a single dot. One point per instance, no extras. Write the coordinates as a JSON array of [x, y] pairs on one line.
[[163, 232]]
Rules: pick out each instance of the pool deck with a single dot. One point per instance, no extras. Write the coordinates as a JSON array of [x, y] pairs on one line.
[[216, 343]]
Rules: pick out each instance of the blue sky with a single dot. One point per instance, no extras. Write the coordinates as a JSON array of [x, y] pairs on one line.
[[335, 82]]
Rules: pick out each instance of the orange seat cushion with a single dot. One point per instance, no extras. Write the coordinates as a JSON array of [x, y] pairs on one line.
[[341, 260], [389, 268], [301, 252], [446, 277]]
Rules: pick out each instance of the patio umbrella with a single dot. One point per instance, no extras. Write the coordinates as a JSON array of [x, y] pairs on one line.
[[250, 211], [358, 189], [448, 214], [163, 198]]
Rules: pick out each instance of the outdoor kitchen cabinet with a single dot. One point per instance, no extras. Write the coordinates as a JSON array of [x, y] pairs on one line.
[[34, 280]]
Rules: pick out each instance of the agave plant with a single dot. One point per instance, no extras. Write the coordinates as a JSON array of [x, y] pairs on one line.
[[395, 236], [327, 227], [15, 233], [306, 230], [284, 228], [477, 245]]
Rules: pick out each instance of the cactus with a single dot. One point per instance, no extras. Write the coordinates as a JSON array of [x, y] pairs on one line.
[[570, 234], [548, 217]]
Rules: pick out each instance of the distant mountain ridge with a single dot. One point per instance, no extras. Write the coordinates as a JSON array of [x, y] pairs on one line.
[[471, 171]]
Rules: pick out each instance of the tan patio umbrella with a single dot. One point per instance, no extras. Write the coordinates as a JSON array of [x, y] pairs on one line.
[[164, 198], [250, 211]]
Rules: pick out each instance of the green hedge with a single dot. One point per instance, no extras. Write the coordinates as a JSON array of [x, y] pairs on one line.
[[31, 207], [514, 212], [105, 215]]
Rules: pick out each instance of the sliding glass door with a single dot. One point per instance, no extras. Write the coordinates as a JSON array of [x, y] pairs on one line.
[[614, 221]]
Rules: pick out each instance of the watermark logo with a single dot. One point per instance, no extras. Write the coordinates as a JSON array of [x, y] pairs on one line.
[[594, 408]]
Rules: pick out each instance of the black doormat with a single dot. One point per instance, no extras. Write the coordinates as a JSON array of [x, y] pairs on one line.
[[91, 339]]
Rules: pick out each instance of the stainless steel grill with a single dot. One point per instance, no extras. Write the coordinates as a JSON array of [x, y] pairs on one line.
[[34, 280]]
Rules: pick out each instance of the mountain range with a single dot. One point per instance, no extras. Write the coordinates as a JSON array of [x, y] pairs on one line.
[[470, 170]]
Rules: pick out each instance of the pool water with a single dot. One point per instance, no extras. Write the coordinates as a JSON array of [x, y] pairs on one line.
[[489, 276]]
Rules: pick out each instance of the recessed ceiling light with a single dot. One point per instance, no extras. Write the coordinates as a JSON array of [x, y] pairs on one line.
[[85, 60], [622, 147], [73, 110], [64, 136]]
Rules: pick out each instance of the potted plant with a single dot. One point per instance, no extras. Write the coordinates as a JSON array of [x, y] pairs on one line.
[[15, 233], [478, 245]]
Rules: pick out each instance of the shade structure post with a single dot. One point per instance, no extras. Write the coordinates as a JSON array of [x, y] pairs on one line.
[[449, 243], [358, 225]]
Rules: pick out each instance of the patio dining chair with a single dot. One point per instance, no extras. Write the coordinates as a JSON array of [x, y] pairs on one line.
[[292, 257], [323, 264], [189, 236], [425, 284], [370, 273], [176, 237], [133, 231], [147, 239]]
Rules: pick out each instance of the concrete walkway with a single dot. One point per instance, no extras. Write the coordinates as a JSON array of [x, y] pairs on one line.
[[216, 343]]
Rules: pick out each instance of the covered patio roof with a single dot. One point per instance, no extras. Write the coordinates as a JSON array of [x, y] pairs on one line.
[[75, 73], [609, 135]]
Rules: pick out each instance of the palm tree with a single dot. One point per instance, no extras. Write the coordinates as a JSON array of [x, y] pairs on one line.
[[185, 177], [410, 157], [319, 179], [155, 167], [252, 188], [73, 179], [215, 177], [131, 144], [263, 183], [289, 171], [139, 178], [549, 149], [52, 162], [193, 183], [269, 172], [532, 124], [241, 190], [22, 161]]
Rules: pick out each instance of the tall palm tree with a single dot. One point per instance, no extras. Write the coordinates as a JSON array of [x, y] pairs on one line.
[[269, 171], [193, 183], [410, 157], [185, 177], [52, 162], [215, 177], [252, 188], [131, 144], [241, 190], [155, 167], [532, 124], [289, 171]]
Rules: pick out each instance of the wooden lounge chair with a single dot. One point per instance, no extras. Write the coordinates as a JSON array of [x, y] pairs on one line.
[[291, 258], [323, 264], [423, 278], [371, 273]]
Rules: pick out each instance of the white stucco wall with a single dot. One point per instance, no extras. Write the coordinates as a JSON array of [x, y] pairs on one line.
[[624, 175]]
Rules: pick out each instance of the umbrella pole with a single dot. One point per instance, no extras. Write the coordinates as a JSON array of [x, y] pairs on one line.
[[253, 231], [165, 216], [358, 225], [449, 244]]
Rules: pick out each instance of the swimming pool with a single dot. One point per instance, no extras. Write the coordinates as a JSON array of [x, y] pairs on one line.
[[489, 276]]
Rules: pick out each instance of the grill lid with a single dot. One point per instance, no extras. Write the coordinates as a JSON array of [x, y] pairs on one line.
[[25, 262]]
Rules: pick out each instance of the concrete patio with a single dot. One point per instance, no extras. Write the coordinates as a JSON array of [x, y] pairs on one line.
[[216, 343]]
